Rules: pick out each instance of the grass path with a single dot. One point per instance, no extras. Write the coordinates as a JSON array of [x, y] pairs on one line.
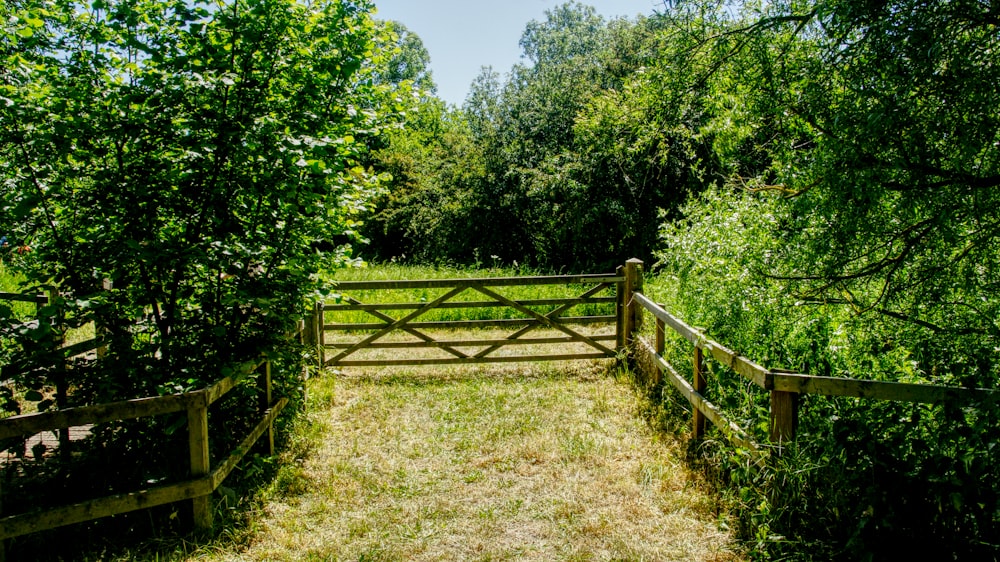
[[526, 463]]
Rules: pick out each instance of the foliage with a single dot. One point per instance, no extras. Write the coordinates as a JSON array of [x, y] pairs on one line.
[[530, 171], [191, 156], [864, 478], [408, 60]]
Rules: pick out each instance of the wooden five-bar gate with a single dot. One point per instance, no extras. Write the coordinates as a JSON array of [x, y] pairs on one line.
[[414, 337]]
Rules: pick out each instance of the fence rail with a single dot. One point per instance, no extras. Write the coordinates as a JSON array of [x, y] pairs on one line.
[[785, 387]]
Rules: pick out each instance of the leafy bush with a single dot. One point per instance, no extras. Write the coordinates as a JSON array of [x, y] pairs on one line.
[[174, 167], [864, 478]]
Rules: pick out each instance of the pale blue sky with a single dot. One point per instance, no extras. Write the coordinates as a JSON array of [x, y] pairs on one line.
[[464, 35]]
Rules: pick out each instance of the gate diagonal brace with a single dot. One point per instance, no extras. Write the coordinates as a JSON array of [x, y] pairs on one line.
[[412, 331], [398, 324], [551, 314], [542, 319]]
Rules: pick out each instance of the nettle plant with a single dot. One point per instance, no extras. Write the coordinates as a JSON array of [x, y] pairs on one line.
[[191, 155]]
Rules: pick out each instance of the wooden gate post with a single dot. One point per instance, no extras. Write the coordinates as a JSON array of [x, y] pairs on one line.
[[784, 416], [198, 443], [633, 312]]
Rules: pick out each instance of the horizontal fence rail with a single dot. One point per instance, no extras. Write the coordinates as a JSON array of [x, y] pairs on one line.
[[785, 387], [396, 318]]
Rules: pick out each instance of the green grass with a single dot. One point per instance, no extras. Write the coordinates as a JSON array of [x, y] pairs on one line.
[[533, 462]]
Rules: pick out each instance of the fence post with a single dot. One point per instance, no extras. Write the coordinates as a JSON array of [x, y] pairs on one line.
[[661, 345], [198, 443], [784, 416], [59, 376], [100, 330], [320, 319], [700, 382], [633, 313], [3, 542], [620, 311], [265, 404]]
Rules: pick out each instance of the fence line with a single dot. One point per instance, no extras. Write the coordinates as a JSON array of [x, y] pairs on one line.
[[785, 387], [198, 489]]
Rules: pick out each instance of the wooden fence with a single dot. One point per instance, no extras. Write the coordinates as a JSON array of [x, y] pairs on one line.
[[531, 315], [204, 479], [785, 387]]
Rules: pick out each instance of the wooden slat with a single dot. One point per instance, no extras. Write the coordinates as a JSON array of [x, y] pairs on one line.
[[468, 304], [30, 424], [881, 390], [17, 525], [218, 390], [544, 319], [470, 343], [399, 323], [483, 281], [712, 412], [761, 376], [82, 347], [222, 471], [471, 360], [553, 315], [474, 324], [412, 331], [18, 297], [197, 419]]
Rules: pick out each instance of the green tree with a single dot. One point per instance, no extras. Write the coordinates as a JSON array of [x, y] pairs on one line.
[[409, 59], [191, 153]]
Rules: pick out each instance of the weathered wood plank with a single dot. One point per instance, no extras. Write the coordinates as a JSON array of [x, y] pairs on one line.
[[30, 424], [633, 289], [783, 416], [18, 297], [472, 360], [544, 320], [467, 304], [200, 463], [484, 281], [81, 347], [218, 390], [620, 306], [17, 525], [881, 390], [267, 395], [225, 467], [752, 371], [699, 384], [473, 324], [470, 343], [455, 291], [733, 432]]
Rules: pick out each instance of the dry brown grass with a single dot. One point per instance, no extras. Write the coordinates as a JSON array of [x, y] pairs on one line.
[[496, 463]]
